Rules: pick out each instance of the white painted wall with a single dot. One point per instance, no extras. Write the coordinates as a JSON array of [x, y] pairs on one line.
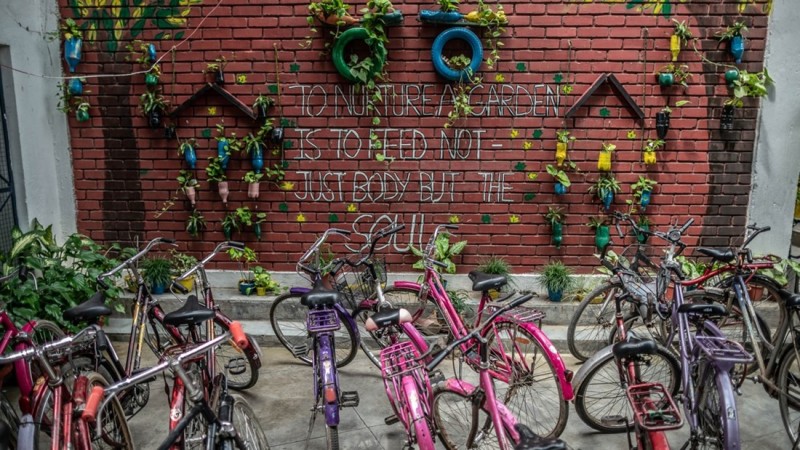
[[777, 154], [38, 132]]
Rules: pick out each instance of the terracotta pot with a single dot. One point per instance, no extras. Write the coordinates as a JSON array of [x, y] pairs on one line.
[[336, 20], [756, 293], [223, 191], [253, 190], [191, 194]]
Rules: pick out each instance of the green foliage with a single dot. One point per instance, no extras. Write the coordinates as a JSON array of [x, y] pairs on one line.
[[558, 174], [653, 145], [156, 271], [749, 85], [252, 177], [244, 257], [682, 31], [554, 215], [181, 262], [605, 184], [644, 184], [263, 101], [186, 145], [448, 5], [66, 274], [459, 300], [461, 106], [214, 170], [680, 73], [556, 277], [737, 29], [186, 179], [247, 218], [444, 253], [564, 136], [263, 279], [69, 29], [152, 100], [195, 224], [597, 222]]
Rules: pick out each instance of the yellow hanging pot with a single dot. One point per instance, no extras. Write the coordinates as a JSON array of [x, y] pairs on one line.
[[675, 46], [604, 161], [561, 152], [649, 158]]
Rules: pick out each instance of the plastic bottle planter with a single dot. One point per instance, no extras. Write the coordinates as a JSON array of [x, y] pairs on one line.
[[642, 237], [222, 153], [604, 161], [608, 199], [169, 132], [154, 118], [227, 231], [602, 236], [558, 233], [439, 64], [72, 52], [560, 189], [645, 199], [662, 124], [191, 194], [726, 122], [82, 113], [276, 136], [151, 53], [75, 86], [554, 296], [222, 188], [736, 47], [675, 46], [150, 79], [257, 230], [666, 79], [253, 190], [649, 158], [731, 75], [219, 77], [190, 155], [257, 158], [561, 152]]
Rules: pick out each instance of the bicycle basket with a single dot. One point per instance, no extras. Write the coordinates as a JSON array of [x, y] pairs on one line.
[[398, 361], [653, 407], [357, 285]]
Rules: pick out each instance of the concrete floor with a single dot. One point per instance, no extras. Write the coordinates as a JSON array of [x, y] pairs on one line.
[[283, 398]]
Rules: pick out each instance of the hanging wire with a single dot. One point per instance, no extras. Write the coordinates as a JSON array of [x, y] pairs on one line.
[[571, 81], [645, 39]]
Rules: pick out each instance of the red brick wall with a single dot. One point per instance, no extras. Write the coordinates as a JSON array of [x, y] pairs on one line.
[[125, 171]]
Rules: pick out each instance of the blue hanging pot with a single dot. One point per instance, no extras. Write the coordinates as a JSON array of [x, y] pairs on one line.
[[645, 200], [191, 156], [222, 153], [737, 48], [72, 52], [151, 53], [257, 155], [75, 86], [560, 189], [608, 198]]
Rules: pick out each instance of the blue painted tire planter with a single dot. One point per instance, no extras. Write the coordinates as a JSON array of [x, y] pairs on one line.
[[72, 52], [377, 53], [466, 35], [434, 16]]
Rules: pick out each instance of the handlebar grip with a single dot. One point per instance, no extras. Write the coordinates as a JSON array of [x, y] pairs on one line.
[[179, 287], [450, 226], [341, 231], [238, 335], [102, 340], [440, 264], [439, 357], [102, 283], [167, 240], [390, 231], [237, 245], [519, 301], [607, 264], [619, 230], [90, 412], [686, 225], [337, 265]]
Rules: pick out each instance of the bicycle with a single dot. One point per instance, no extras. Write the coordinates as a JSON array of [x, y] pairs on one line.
[[219, 419], [523, 358], [421, 409]]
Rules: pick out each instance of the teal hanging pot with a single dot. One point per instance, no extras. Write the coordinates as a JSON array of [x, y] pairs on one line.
[[151, 79], [154, 118], [558, 233], [75, 86], [190, 155], [731, 75], [257, 230], [82, 114], [560, 189], [151, 53], [257, 157], [645, 200], [72, 52], [222, 153], [602, 237], [276, 136], [608, 198], [227, 231], [737, 48], [666, 79], [642, 237]]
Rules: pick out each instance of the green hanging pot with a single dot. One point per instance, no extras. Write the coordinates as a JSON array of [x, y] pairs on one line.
[[666, 79], [227, 231], [558, 233], [257, 230], [602, 237], [151, 80], [642, 237]]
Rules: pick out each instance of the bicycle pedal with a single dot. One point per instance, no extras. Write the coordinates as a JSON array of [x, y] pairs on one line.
[[613, 420], [391, 420], [236, 366], [298, 351], [348, 399]]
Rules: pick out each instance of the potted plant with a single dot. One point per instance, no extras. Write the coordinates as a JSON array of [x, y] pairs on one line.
[[253, 181], [225, 146], [602, 235], [75, 86], [496, 265], [605, 187], [82, 112], [261, 105], [187, 150], [215, 172], [244, 257], [181, 263], [674, 74], [152, 76], [263, 281], [254, 146], [195, 224], [230, 223], [604, 159], [562, 145], [680, 37], [748, 84], [188, 184], [446, 252], [73, 42], [643, 223], [555, 217], [734, 35], [649, 150], [157, 273], [556, 278], [216, 70], [731, 75], [331, 12], [561, 179], [153, 105], [643, 190], [662, 118]]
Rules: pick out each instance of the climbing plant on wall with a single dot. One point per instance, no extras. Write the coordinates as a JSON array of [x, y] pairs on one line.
[[116, 17]]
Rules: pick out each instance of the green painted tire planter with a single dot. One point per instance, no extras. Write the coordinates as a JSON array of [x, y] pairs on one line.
[[378, 54]]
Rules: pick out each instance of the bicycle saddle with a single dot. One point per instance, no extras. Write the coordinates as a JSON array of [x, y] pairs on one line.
[[725, 256], [791, 300], [528, 440], [319, 297], [703, 309], [388, 317], [88, 311], [485, 281], [191, 313], [634, 347]]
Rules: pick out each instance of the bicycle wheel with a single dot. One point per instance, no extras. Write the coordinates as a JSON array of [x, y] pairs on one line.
[[765, 296], [115, 432], [9, 416], [601, 394], [453, 417], [716, 410], [247, 426], [533, 393], [288, 319], [789, 401], [196, 432], [242, 370], [44, 331], [593, 321], [332, 437]]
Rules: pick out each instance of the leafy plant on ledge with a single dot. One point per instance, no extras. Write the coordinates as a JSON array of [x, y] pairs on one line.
[[445, 252]]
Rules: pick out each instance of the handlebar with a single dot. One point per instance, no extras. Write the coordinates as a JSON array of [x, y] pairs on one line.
[[132, 260], [476, 332], [756, 231], [200, 264], [315, 247]]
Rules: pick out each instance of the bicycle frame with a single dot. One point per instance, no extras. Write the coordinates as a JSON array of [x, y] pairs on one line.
[[21, 367], [326, 379]]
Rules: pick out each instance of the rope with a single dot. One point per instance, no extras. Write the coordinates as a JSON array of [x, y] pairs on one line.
[[645, 38]]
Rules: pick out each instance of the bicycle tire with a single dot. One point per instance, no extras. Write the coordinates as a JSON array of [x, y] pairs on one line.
[[287, 317], [247, 425], [717, 417], [332, 437], [9, 416], [452, 416], [536, 399], [602, 387], [789, 401], [43, 331], [228, 353], [597, 319]]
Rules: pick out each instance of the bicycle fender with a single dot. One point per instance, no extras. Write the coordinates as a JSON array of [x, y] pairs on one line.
[[407, 285], [350, 320], [586, 367]]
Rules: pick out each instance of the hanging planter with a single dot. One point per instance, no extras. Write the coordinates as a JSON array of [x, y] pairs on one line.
[[672, 74], [557, 233], [604, 188], [602, 235], [645, 200], [555, 216], [726, 121], [643, 191], [154, 118], [561, 178], [253, 182], [649, 150], [257, 157], [195, 224], [734, 34], [737, 48], [215, 173], [188, 152], [151, 53], [666, 79], [559, 188], [261, 105], [222, 188], [216, 70], [563, 138], [151, 79], [153, 105], [82, 112], [680, 37], [731, 75], [276, 136], [259, 218], [608, 198], [229, 225], [188, 185], [169, 132], [604, 159], [644, 224], [223, 152], [72, 52], [75, 87]]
